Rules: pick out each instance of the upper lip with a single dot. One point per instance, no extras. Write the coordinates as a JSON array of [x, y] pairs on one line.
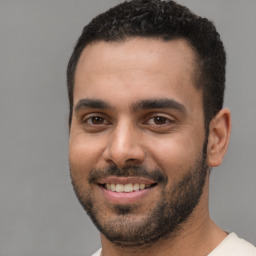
[[125, 180]]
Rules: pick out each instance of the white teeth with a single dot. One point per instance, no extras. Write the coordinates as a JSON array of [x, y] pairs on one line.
[[142, 186], [113, 187], [128, 188], [136, 187], [120, 188]]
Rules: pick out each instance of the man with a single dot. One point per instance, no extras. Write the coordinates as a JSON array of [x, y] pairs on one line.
[[146, 85]]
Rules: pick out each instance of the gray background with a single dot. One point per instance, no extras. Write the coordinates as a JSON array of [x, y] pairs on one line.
[[39, 212]]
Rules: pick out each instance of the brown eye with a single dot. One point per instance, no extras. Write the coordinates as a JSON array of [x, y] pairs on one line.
[[96, 120], [160, 120]]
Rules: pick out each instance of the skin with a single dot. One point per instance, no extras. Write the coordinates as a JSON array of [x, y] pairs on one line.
[[122, 74]]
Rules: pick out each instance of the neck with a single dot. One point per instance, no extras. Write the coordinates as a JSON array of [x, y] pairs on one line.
[[199, 235]]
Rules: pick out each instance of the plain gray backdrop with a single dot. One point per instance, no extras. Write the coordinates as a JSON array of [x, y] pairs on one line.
[[39, 214]]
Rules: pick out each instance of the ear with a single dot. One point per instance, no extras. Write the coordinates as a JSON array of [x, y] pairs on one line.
[[218, 139]]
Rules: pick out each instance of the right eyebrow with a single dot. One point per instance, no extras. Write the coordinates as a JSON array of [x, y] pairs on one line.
[[91, 103], [160, 104]]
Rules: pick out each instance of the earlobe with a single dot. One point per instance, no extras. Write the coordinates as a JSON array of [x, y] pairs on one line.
[[219, 134]]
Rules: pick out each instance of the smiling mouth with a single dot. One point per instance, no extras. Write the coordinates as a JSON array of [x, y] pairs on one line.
[[127, 188]]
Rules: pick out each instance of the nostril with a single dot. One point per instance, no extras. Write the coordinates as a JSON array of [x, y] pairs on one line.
[[123, 149]]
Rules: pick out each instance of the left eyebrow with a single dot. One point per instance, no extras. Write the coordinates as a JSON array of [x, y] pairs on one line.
[[91, 103], [160, 104]]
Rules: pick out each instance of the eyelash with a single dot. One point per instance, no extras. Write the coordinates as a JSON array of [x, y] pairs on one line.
[[158, 120], [89, 120]]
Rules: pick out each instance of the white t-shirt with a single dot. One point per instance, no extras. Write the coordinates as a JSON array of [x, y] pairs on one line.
[[232, 245]]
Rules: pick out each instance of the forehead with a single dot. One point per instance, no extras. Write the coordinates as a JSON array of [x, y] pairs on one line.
[[156, 51], [137, 67]]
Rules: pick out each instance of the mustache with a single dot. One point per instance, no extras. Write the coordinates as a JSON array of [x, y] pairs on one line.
[[128, 171]]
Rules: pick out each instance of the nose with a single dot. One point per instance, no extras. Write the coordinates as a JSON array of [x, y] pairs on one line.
[[124, 146]]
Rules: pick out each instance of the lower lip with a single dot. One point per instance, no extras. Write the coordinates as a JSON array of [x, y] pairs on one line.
[[124, 198]]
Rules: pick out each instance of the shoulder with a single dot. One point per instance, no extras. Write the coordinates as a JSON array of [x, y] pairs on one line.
[[232, 245], [97, 253]]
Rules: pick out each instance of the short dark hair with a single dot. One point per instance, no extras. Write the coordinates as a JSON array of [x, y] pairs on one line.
[[165, 20]]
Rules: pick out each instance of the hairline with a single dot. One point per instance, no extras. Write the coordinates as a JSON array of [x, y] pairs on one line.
[[196, 77]]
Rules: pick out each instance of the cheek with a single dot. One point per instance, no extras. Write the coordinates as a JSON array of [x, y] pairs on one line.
[[174, 154], [84, 155]]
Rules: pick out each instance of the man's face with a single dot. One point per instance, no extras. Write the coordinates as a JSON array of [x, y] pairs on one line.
[[137, 138]]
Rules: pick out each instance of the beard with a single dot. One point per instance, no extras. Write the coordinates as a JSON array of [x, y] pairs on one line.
[[162, 221]]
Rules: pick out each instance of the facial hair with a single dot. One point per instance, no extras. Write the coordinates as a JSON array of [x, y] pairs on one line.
[[164, 220]]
